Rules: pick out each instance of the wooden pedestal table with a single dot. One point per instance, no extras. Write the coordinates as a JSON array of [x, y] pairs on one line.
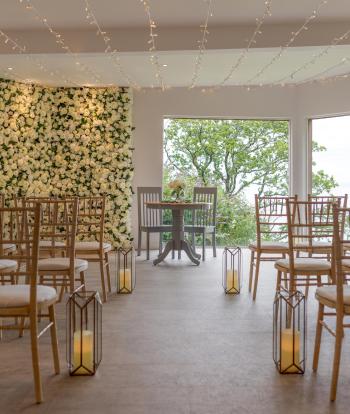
[[178, 241]]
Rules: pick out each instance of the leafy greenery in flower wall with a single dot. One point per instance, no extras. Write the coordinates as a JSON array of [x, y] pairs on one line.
[[69, 141]]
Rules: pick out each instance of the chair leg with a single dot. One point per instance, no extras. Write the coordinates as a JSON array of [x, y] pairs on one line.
[[173, 254], [148, 235], [160, 242], [178, 254], [104, 293], [256, 278], [35, 359], [336, 360], [318, 337], [278, 283], [193, 241], [203, 246], [82, 281], [251, 267], [108, 271], [214, 243], [54, 342], [139, 241], [21, 326]]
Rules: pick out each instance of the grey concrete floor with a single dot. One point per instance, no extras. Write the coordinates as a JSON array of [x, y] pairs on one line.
[[178, 344]]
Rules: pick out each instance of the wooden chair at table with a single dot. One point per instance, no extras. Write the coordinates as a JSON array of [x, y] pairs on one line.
[[91, 220], [204, 220], [150, 220], [305, 228], [27, 301], [335, 297], [8, 249], [59, 225], [271, 223]]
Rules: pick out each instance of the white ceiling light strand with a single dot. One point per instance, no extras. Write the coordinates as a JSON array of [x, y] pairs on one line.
[[294, 35], [60, 40], [109, 51], [152, 48], [202, 43], [251, 41], [322, 53], [22, 50]]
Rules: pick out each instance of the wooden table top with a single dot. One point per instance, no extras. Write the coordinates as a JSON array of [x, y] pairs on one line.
[[176, 205]]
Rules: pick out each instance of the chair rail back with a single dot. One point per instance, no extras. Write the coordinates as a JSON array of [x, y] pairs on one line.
[[207, 216], [149, 217]]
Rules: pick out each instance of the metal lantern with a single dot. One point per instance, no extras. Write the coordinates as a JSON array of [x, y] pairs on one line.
[[289, 332], [232, 270], [126, 270], [84, 332]]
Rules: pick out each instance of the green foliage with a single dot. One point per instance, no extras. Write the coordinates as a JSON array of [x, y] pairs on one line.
[[233, 155]]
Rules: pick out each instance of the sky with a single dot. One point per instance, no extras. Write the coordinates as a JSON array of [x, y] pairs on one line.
[[334, 134]]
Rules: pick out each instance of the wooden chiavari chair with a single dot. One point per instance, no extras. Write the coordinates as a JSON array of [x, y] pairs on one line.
[[21, 226], [306, 228], [271, 232], [59, 226], [91, 219], [335, 297]]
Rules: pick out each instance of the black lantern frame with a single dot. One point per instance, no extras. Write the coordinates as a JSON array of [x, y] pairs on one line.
[[84, 333], [289, 332], [126, 270], [232, 270]]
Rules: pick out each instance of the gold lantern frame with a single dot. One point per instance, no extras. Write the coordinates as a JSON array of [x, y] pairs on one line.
[[84, 333], [126, 270], [232, 270], [289, 332]]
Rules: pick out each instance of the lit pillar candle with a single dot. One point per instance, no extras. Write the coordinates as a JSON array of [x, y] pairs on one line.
[[287, 350], [83, 351], [125, 279], [232, 280]]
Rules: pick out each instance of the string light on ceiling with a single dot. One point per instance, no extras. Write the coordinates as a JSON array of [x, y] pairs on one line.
[[317, 56], [60, 40], [15, 46], [109, 51], [202, 43], [305, 26], [152, 44], [250, 42]]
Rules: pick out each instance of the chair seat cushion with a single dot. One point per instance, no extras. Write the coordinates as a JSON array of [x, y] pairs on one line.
[[346, 263], [314, 245], [270, 245], [51, 244], [12, 296], [7, 264], [199, 229], [61, 263], [92, 245], [9, 247], [327, 295], [305, 264]]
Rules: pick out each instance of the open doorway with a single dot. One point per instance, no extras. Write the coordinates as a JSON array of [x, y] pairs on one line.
[[240, 157]]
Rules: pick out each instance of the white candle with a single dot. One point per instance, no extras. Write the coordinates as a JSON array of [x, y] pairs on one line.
[[287, 362], [83, 352], [125, 280], [232, 281]]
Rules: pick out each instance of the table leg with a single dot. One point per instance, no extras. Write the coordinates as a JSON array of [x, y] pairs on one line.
[[168, 248]]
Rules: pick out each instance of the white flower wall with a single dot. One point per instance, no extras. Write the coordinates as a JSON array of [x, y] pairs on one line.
[[68, 141]]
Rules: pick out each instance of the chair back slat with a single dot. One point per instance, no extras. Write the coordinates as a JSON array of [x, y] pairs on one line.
[[148, 217], [205, 216], [91, 219], [271, 218]]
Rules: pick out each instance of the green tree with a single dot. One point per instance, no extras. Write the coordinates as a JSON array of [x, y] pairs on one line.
[[234, 155]]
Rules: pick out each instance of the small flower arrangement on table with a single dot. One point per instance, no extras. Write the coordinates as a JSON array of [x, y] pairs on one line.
[[177, 187]]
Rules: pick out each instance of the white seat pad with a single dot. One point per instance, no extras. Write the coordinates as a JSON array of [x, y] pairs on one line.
[[316, 244], [8, 264], [50, 243], [346, 262], [270, 245], [9, 247], [61, 263], [328, 296], [19, 295], [92, 245], [305, 264]]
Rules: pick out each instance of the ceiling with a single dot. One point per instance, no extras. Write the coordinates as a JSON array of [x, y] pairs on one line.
[[176, 66], [130, 13]]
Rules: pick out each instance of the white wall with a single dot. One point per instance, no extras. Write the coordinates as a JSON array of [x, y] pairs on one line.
[[291, 103]]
